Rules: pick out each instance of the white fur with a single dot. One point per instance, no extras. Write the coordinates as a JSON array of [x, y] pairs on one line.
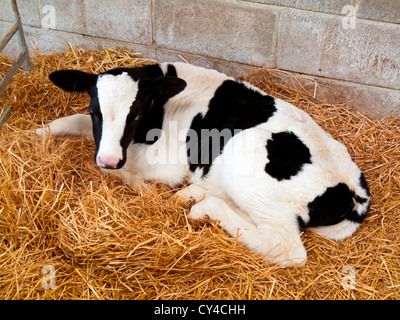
[[236, 192]]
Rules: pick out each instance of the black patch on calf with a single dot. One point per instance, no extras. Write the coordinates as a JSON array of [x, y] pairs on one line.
[[139, 73], [286, 154], [162, 89], [336, 204], [171, 71], [97, 118], [152, 119], [333, 206], [359, 217], [300, 222], [364, 185], [233, 108]]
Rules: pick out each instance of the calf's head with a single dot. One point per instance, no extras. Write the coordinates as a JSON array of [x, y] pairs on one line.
[[118, 99]]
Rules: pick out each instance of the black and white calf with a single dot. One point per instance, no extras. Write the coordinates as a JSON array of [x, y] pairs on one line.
[[259, 165]]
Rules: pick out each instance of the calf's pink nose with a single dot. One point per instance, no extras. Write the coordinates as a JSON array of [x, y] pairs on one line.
[[108, 162]]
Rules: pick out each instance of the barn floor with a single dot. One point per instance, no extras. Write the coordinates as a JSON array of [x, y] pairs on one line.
[[106, 241]]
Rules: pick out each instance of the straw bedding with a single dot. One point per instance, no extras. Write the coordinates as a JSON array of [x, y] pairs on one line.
[[106, 241]]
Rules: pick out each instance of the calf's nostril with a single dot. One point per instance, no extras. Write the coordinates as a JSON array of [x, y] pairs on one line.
[[108, 162]]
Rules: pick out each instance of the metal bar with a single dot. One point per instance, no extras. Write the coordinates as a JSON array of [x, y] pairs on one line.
[[4, 116], [12, 71], [9, 35], [20, 33], [23, 57]]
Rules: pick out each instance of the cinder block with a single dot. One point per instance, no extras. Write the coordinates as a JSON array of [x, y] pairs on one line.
[[335, 6], [230, 68], [382, 10], [28, 10], [125, 20], [11, 50], [48, 41], [148, 52], [377, 102], [322, 45], [231, 31]]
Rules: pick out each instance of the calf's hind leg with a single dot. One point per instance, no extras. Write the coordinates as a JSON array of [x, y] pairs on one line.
[[264, 240]]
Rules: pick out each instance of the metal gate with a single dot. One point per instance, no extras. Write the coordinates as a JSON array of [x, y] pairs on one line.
[[22, 59]]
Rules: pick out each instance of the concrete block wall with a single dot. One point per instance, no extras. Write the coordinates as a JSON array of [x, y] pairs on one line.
[[352, 47]]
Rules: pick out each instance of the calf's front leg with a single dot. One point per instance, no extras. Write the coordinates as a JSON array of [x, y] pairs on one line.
[[74, 125]]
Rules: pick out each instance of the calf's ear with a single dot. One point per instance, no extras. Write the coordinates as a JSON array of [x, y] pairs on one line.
[[167, 87], [73, 80]]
